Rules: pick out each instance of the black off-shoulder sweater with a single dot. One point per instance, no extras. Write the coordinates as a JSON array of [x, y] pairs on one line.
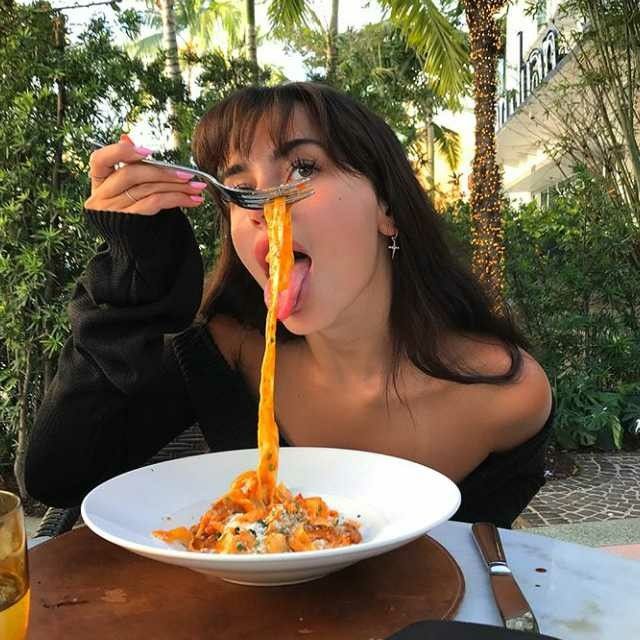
[[136, 372]]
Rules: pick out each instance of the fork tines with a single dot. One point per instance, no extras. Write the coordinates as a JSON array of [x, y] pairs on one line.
[[257, 200]]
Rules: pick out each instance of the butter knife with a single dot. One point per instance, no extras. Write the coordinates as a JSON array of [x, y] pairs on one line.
[[514, 609]]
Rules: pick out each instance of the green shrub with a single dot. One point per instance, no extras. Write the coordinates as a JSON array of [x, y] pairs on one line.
[[573, 283]]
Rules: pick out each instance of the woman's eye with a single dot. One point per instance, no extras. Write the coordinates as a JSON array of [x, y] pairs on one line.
[[244, 186], [303, 169]]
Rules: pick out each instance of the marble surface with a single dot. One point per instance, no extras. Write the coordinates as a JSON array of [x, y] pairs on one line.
[[576, 592]]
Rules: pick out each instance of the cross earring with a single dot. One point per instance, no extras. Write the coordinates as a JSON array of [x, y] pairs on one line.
[[394, 246]]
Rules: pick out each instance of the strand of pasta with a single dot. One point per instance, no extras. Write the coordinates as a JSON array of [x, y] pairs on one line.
[[278, 219]]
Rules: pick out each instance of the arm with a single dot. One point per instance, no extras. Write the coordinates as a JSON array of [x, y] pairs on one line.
[[118, 395]]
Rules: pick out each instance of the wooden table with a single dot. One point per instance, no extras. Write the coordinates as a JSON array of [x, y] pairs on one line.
[[85, 587]]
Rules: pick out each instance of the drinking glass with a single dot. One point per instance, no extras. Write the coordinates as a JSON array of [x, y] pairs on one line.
[[14, 572]]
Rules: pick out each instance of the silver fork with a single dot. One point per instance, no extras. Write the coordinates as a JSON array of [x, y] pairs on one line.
[[245, 198]]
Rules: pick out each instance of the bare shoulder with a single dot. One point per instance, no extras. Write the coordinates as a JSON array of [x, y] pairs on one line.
[[241, 346], [511, 412], [519, 409]]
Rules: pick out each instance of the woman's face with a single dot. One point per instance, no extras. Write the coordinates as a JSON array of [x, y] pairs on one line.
[[342, 228]]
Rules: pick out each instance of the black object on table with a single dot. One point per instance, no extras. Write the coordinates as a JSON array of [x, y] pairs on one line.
[[452, 630]]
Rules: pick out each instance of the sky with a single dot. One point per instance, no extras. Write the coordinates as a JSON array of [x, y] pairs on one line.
[[353, 13]]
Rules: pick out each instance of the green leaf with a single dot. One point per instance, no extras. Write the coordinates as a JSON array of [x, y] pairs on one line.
[[448, 142], [286, 15], [442, 47]]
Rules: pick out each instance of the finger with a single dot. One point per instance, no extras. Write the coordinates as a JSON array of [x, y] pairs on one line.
[[102, 162], [98, 180], [156, 202], [149, 205], [138, 175], [124, 199], [141, 191]]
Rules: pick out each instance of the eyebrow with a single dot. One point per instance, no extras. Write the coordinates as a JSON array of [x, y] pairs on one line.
[[281, 152]]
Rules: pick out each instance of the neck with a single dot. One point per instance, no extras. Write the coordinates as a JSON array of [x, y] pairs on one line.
[[349, 357], [357, 349]]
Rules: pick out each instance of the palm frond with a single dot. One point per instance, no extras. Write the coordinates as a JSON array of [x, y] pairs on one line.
[[151, 18], [315, 21], [215, 19], [442, 47], [231, 22], [200, 25], [288, 14], [448, 143], [147, 46]]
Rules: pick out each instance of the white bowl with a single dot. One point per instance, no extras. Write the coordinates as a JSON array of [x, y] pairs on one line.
[[396, 501]]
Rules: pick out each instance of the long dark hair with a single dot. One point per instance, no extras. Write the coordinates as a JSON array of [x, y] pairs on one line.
[[433, 294]]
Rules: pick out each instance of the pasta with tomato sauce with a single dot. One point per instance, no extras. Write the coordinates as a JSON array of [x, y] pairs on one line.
[[257, 515]]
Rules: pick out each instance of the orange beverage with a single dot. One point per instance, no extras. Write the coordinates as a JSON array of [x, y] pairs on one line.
[[14, 574], [14, 611]]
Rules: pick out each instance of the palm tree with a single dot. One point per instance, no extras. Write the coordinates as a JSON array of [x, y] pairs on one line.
[[199, 25], [202, 21], [286, 15], [444, 52], [252, 49], [488, 234], [447, 141], [170, 46], [442, 47], [332, 35], [378, 68], [447, 58]]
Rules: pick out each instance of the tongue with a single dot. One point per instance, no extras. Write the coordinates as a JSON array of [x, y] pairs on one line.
[[288, 298]]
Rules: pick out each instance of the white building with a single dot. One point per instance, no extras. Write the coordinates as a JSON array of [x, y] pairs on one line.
[[535, 58]]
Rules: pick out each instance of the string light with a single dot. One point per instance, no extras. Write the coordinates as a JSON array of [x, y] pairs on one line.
[[487, 239]]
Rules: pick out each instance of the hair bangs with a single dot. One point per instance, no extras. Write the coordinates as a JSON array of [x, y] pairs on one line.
[[230, 127], [263, 109]]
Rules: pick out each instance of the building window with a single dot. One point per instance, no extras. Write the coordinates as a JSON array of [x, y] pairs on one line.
[[541, 13], [544, 198], [547, 197]]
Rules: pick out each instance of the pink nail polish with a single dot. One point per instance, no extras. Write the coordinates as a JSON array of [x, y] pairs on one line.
[[198, 185], [183, 175], [143, 151], [197, 198]]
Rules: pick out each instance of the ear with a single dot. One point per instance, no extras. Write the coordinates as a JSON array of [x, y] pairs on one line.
[[386, 223]]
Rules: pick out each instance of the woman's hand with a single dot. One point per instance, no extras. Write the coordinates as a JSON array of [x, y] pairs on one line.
[[137, 187]]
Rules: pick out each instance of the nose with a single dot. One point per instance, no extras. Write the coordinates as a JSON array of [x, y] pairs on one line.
[[256, 216]]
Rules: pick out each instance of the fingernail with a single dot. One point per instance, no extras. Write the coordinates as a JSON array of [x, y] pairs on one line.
[[143, 151], [183, 175], [125, 138], [197, 198], [198, 185]]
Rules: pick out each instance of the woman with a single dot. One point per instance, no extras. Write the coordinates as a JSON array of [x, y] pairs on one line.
[[386, 344]]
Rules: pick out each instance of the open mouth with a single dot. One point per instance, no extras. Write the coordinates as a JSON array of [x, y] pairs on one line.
[[262, 252], [290, 299], [298, 256]]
